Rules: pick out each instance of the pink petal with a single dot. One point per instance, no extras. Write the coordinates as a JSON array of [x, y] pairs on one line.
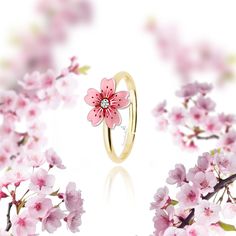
[[95, 116], [93, 97], [112, 117], [120, 99], [107, 87]]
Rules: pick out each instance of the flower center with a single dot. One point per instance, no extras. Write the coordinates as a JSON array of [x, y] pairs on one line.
[[104, 103]]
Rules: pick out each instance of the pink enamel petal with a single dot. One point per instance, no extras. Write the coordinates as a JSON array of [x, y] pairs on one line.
[[95, 116], [107, 87], [120, 100], [93, 97], [112, 117]]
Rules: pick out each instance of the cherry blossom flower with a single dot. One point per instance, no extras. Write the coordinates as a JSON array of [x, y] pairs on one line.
[[205, 182], [73, 221], [188, 195], [162, 220], [177, 116], [229, 210], [177, 176], [106, 103], [52, 220], [72, 198], [207, 213], [161, 198], [160, 109], [173, 231], [197, 230], [53, 159], [23, 225], [42, 182], [191, 59], [38, 206]]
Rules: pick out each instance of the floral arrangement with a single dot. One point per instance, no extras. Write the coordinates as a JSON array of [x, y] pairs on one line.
[[205, 199], [35, 45], [190, 59], [29, 194], [27, 182]]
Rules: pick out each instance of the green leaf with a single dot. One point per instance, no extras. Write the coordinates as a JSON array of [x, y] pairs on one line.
[[227, 227], [173, 202], [83, 70]]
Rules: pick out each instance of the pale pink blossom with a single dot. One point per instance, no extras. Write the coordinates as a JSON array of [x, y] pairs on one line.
[[161, 198], [204, 162], [205, 104], [197, 115], [160, 109], [38, 206], [197, 230], [207, 213], [229, 210], [53, 159], [8, 100], [35, 159], [52, 220], [30, 81], [204, 88], [17, 175], [23, 225], [228, 141], [73, 221], [72, 198], [42, 182], [162, 123], [4, 159], [48, 80], [188, 90], [188, 196], [173, 231], [226, 163], [177, 115], [227, 120], [177, 176], [205, 182], [162, 220], [32, 112], [212, 124], [106, 104]]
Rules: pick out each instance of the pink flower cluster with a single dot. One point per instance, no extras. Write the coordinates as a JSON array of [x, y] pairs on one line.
[[35, 47], [27, 182], [204, 193], [195, 119], [201, 191], [191, 59]]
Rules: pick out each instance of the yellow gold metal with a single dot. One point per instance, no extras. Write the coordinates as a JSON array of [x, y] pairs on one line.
[[132, 122]]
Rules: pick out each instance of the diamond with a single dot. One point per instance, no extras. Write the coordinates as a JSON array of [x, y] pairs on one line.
[[105, 103]]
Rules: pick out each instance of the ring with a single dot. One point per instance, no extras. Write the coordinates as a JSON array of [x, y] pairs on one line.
[[105, 108]]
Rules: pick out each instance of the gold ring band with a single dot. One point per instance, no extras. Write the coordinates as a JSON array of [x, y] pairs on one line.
[[107, 133]]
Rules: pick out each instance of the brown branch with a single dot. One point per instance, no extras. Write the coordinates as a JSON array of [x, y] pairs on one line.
[[9, 224], [222, 184], [213, 136]]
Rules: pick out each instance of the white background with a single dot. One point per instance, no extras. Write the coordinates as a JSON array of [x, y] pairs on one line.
[[116, 40]]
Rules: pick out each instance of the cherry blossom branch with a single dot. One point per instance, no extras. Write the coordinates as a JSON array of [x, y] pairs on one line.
[[9, 224], [213, 136], [222, 184]]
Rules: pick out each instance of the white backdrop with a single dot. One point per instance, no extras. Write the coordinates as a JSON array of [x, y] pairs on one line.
[[116, 40]]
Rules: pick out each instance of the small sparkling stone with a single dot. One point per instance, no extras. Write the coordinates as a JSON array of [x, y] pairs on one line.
[[105, 103]]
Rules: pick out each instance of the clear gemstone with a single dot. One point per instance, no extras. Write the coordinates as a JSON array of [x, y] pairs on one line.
[[105, 103]]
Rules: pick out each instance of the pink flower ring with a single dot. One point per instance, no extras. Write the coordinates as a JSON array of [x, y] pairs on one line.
[[105, 107]]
